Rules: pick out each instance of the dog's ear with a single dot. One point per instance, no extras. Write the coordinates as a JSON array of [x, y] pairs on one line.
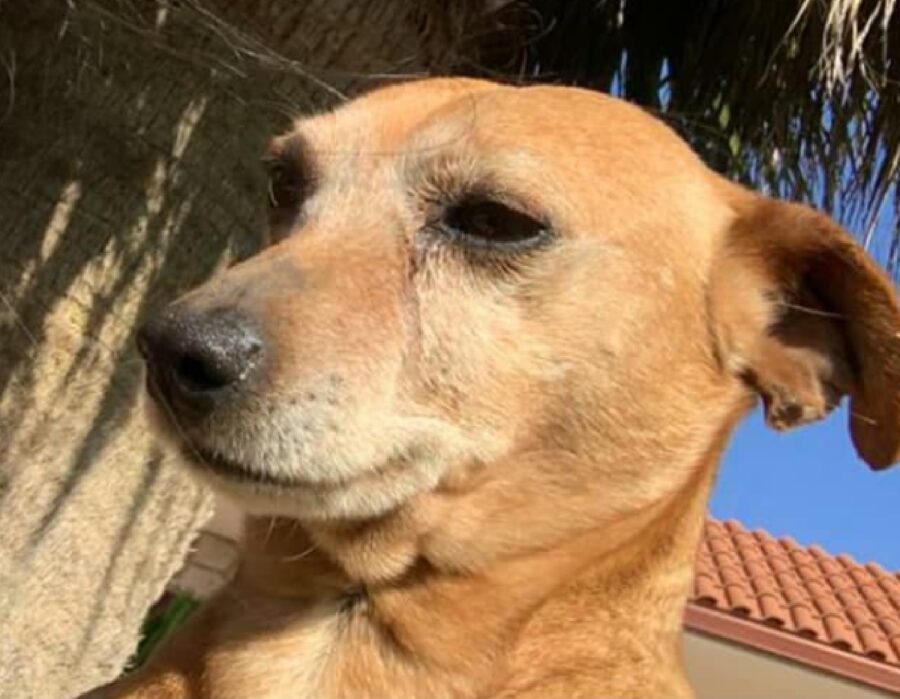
[[804, 316]]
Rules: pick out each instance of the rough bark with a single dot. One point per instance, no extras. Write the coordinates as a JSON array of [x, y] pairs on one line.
[[129, 138]]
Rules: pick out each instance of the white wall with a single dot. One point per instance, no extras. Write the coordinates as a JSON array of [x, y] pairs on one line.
[[722, 670]]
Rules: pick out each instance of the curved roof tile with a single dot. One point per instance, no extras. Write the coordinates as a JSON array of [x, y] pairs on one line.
[[800, 590]]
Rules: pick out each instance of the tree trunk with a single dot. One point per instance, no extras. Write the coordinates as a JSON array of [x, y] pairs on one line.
[[130, 134]]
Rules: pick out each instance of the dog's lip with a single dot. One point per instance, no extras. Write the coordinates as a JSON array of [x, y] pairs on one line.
[[235, 471], [210, 461], [232, 470]]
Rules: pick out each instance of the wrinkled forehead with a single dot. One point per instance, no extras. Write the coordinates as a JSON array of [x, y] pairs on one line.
[[577, 155], [380, 123]]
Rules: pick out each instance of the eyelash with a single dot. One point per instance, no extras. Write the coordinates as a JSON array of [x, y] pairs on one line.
[[287, 189], [483, 224]]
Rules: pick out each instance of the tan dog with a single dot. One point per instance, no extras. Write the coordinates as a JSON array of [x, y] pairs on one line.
[[482, 374]]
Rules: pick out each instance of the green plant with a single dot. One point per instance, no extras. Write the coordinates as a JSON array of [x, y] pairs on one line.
[[160, 623]]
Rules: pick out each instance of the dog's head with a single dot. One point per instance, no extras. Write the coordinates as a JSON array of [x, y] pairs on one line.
[[542, 287]]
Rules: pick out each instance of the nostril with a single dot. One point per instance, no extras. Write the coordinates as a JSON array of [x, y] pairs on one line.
[[215, 362], [200, 376]]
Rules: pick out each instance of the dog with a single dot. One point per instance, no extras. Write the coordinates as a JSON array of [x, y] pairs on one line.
[[473, 391]]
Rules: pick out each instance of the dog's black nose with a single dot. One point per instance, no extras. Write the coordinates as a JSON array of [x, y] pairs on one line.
[[196, 360]]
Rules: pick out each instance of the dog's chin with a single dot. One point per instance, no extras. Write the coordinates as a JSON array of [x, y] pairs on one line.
[[372, 493]]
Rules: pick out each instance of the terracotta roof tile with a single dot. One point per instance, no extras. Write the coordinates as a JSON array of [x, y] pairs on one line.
[[799, 590]]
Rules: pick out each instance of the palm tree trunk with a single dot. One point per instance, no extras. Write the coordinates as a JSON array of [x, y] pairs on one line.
[[129, 139]]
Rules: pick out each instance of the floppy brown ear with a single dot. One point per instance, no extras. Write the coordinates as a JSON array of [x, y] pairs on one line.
[[804, 316]]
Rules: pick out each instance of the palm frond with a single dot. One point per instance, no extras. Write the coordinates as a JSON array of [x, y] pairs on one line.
[[798, 97]]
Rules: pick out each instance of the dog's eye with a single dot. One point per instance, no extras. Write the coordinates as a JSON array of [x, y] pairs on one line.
[[286, 187], [491, 224], [289, 187]]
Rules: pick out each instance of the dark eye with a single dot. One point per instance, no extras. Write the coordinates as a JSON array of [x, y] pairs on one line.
[[490, 224], [286, 186]]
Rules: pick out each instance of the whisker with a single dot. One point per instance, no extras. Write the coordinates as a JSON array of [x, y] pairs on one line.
[[810, 310], [859, 416], [298, 556], [864, 418], [269, 531]]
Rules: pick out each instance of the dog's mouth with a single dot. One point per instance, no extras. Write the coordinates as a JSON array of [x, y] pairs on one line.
[[243, 475], [232, 470], [206, 460]]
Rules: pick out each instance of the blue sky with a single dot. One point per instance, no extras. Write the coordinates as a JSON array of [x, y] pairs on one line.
[[809, 484]]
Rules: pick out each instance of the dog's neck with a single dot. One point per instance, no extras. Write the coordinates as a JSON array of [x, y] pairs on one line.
[[622, 587]]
